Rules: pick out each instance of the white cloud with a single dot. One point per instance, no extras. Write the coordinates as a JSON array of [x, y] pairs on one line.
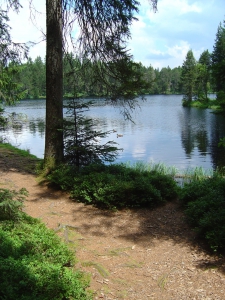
[[158, 39], [176, 7], [178, 26], [29, 26]]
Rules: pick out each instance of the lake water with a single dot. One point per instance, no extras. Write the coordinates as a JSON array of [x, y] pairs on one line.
[[163, 131]]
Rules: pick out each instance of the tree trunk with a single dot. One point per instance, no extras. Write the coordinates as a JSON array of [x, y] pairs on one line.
[[54, 84]]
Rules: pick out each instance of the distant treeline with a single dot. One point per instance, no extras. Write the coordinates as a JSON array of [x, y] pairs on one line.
[[32, 79]]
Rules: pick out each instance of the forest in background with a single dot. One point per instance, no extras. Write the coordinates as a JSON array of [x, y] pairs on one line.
[[31, 77]]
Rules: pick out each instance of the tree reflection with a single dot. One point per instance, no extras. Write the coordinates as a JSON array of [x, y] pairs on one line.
[[41, 127], [194, 133], [218, 129], [202, 141], [18, 123]]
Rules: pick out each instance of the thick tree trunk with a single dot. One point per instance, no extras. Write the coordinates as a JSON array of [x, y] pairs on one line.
[[54, 84]]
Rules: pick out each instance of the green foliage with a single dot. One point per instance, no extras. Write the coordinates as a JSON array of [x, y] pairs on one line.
[[34, 263], [82, 144], [63, 176], [83, 73], [218, 62], [32, 78], [198, 174], [189, 76], [203, 76], [221, 99], [222, 142], [10, 56], [204, 203], [3, 119], [17, 151], [10, 89], [118, 186], [11, 204]]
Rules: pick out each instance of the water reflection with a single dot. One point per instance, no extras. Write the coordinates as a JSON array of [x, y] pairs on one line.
[[162, 131], [217, 132], [194, 134], [37, 126]]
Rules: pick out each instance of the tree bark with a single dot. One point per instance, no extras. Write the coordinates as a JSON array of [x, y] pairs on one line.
[[54, 84]]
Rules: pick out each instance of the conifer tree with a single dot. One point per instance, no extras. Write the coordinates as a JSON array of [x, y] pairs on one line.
[[218, 64], [188, 76], [82, 139], [10, 55], [203, 76]]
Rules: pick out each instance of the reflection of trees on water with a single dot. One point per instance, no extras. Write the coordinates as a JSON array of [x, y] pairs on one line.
[[32, 127], [217, 132], [17, 123], [37, 126], [202, 141], [194, 131], [202, 130]]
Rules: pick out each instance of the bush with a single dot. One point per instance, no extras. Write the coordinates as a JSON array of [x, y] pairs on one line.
[[34, 263], [11, 204], [63, 176], [117, 186], [205, 209], [106, 190]]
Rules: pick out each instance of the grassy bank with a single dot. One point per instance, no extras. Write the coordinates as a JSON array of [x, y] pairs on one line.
[[211, 104], [21, 160]]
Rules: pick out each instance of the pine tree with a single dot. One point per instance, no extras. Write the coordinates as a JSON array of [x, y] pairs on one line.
[[175, 80], [203, 76], [188, 76], [218, 64], [82, 144], [10, 56]]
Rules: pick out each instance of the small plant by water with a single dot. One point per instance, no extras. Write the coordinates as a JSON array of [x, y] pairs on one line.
[[82, 139]]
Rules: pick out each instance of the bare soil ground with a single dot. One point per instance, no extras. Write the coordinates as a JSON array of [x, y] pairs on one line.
[[139, 254]]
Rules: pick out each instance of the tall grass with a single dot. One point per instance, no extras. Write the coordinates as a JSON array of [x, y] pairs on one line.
[[187, 175], [195, 174], [160, 168]]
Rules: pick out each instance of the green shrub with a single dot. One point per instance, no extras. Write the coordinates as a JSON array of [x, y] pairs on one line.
[[165, 184], [106, 190], [63, 177], [34, 263], [11, 204], [118, 186], [205, 209]]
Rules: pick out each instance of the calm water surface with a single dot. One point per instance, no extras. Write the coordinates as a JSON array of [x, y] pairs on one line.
[[163, 131]]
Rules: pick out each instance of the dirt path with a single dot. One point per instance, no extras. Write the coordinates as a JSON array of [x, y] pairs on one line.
[[129, 254]]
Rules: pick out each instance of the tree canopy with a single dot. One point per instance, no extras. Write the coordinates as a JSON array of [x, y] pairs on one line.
[[10, 54], [189, 75], [218, 64]]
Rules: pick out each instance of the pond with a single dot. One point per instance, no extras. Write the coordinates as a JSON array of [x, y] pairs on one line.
[[162, 131]]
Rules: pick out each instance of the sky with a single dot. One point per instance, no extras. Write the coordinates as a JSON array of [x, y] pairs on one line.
[[159, 39]]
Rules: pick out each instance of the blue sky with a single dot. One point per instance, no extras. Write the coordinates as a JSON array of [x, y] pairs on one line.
[[159, 39]]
